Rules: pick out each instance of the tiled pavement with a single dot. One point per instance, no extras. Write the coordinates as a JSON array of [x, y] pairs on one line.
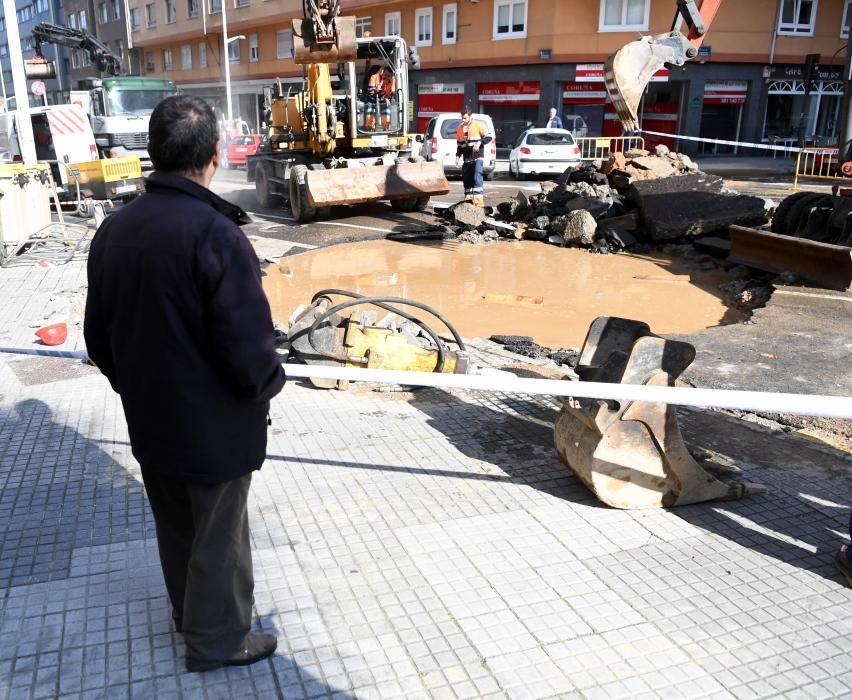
[[411, 545]]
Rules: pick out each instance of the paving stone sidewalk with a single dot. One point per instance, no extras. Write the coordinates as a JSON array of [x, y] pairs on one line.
[[410, 545]]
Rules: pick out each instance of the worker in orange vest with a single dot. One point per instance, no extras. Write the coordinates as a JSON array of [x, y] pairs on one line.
[[380, 89], [471, 137]]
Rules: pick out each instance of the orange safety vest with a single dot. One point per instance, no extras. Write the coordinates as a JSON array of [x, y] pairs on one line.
[[382, 83], [475, 132]]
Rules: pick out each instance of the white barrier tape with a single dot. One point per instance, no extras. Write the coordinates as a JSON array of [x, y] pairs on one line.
[[765, 402], [747, 144]]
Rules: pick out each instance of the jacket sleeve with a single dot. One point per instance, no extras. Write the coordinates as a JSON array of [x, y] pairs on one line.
[[239, 322], [95, 325]]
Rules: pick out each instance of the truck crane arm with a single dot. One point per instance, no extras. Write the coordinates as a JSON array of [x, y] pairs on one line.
[[99, 53], [629, 70]]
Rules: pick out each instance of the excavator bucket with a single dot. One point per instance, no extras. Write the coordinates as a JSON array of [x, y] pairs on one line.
[[631, 454], [629, 70], [339, 47], [371, 183]]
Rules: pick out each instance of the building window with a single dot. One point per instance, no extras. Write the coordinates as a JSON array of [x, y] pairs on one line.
[[510, 19], [135, 19], [149, 62], [363, 26], [103, 17], [83, 23], [75, 62], [215, 6], [40, 6], [167, 59], [71, 21], [4, 50], [423, 26], [624, 15], [192, 9], [171, 11], [151, 13], [844, 25], [234, 51], [285, 43], [797, 17], [254, 51], [243, 3], [393, 24], [25, 14], [116, 9], [202, 55], [186, 57], [450, 24]]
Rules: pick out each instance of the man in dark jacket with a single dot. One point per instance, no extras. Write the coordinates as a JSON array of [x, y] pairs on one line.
[[177, 320]]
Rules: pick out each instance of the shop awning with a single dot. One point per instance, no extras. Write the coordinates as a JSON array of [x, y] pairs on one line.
[[594, 73]]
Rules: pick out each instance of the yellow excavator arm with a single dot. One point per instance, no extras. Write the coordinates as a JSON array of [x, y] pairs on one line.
[[629, 70]]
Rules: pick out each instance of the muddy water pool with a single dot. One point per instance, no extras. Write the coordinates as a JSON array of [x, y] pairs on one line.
[[517, 288]]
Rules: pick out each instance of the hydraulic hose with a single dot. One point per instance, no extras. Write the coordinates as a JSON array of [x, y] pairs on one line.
[[383, 303]]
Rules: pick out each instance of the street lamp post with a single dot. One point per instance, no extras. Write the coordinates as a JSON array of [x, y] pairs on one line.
[[225, 43]]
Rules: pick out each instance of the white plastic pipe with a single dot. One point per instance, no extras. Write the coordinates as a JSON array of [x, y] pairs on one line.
[[798, 404]]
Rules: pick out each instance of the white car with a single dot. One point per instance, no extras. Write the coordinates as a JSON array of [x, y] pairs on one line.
[[543, 152]]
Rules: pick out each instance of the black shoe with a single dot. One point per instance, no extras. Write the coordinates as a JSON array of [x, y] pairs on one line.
[[255, 646]]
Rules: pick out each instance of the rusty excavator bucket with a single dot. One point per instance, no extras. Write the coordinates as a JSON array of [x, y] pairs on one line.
[[629, 70], [403, 180], [632, 454], [330, 41]]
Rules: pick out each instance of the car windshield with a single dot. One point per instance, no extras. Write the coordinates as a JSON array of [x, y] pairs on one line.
[[242, 140], [137, 102], [550, 138], [450, 126]]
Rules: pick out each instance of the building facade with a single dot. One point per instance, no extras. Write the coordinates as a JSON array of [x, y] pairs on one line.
[[28, 13], [514, 59]]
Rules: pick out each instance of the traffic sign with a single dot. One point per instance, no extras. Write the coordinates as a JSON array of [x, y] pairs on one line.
[[37, 88]]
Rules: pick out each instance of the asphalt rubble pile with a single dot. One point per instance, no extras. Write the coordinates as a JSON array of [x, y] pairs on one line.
[[630, 199]]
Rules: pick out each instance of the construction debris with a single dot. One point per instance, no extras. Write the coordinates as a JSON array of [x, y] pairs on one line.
[[606, 206]]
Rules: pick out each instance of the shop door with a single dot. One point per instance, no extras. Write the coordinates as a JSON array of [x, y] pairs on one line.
[[512, 106], [721, 114], [587, 99]]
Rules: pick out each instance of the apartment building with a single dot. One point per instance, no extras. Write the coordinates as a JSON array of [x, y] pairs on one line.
[[514, 59], [28, 13]]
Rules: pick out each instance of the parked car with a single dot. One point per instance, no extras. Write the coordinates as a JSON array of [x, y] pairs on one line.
[[439, 143], [543, 152], [575, 124], [239, 147]]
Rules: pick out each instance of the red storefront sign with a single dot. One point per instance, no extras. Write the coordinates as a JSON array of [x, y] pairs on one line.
[[436, 98], [725, 92], [594, 73], [589, 73], [583, 93], [509, 93]]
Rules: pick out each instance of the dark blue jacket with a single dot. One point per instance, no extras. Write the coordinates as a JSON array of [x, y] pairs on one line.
[[177, 320]]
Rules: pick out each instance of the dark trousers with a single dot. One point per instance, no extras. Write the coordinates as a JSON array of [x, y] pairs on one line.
[[205, 553], [472, 178]]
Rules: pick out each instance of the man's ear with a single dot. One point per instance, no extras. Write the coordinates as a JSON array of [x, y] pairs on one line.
[[215, 160]]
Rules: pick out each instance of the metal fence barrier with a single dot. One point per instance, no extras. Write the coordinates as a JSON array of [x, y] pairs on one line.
[[819, 164], [601, 147]]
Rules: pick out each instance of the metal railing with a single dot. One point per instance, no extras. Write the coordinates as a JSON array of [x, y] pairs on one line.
[[819, 164], [601, 147]]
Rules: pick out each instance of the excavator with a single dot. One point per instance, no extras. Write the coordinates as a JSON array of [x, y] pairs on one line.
[[629, 70], [343, 143]]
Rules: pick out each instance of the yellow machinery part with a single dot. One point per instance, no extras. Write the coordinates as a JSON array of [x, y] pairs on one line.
[[374, 182], [384, 348], [306, 49], [108, 169]]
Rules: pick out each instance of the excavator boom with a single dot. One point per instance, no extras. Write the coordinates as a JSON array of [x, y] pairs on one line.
[[99, 53], [629, 70]]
